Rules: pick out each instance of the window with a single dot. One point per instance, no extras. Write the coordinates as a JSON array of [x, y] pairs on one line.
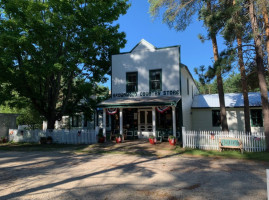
[[131, 82], [188, 92], [75, 121], [155, 80], [216, 118], [256, 117]]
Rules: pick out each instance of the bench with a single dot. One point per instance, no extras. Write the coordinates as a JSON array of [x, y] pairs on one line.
[[230, 143]]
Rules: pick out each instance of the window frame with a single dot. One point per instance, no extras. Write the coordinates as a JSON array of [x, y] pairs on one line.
[[127, 82], [256, 117], [150, 80], [77, 120], [213, 115]]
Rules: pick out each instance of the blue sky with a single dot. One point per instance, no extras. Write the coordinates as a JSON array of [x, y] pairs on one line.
[[138, 24]]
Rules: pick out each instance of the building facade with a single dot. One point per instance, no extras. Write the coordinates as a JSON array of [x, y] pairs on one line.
[[151, 92], [206, 112]]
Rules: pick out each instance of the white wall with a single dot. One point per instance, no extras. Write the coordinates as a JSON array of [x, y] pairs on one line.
[[202, 120], [141, 60], [187, 98]]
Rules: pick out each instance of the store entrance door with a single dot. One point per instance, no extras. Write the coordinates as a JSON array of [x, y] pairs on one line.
[[144, 123]]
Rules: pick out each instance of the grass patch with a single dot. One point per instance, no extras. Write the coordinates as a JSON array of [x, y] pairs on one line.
[[261, 156]]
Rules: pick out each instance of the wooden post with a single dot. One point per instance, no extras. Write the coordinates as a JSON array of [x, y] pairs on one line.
[[121, 124], [174, 120], [154, 121], [104, 122]]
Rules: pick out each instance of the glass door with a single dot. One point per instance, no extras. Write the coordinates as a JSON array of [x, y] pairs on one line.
[[144, 123]]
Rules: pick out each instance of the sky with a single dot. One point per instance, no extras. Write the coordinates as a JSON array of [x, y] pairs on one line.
[[138, 24]]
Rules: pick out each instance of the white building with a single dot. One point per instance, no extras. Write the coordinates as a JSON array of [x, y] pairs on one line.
[[152, 92], [206, 112]]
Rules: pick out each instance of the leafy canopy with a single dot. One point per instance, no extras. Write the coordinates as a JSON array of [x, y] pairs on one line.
[[53, 51]]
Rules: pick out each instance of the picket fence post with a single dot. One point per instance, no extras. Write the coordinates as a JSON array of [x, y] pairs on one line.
[[184, 136]]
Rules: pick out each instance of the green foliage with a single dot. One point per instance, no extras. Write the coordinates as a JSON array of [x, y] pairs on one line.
[[177, 14], [30, 117], [152, 137], [51, 52]]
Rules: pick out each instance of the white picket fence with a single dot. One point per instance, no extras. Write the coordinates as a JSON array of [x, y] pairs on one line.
[[209, 140], [58, 136]]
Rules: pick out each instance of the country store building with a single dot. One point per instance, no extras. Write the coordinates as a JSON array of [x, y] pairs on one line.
[[151, 93]]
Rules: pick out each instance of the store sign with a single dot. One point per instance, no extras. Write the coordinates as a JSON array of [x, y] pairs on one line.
[[148, 94]]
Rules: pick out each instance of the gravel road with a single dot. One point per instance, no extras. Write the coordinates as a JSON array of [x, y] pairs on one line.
[[54, 175]]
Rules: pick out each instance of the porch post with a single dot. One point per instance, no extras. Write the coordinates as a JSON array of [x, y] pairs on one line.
[[104, 122], [121, 124], [154, 121], [174, 120]]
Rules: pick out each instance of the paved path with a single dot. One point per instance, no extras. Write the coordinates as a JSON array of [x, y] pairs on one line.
[[52, 175]]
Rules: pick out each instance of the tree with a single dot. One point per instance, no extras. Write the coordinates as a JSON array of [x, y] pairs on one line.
[[260, 69], [178, 15], [235, 22], [263, 7], [50, 51]]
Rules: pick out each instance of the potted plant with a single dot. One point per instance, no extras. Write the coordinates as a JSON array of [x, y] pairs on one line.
[[118, 138], [101, 137], [172, 140], [152, 139]]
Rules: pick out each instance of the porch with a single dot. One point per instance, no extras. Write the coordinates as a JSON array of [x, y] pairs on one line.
[[135, 118]]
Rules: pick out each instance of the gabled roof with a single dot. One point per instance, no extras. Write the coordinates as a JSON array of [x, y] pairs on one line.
[[145, 45], [232, 100]]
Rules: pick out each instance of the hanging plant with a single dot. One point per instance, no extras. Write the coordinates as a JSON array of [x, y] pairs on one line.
[[111, 111], [162, 109]]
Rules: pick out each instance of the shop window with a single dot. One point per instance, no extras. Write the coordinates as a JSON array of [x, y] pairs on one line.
[[131, 82], [155, 80], [216, 118], [256, 117]]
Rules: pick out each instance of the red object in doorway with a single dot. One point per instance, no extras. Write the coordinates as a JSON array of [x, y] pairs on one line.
[[172, 141]]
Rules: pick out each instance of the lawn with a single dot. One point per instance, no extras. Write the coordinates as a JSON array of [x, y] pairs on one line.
[[144, 149]]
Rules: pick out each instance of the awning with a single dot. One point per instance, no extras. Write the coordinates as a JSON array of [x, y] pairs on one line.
[[141, 101]]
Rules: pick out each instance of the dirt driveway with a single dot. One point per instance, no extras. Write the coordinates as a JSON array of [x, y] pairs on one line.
[[56, 175]]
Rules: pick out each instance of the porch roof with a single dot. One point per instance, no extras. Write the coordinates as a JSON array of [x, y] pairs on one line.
[[140, 101]]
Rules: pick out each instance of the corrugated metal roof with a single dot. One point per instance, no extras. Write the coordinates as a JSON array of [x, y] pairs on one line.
[[141, 101], [231, 100]]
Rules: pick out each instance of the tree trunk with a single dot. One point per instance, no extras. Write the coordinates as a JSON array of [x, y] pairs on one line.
[[224, 124], [260, 70], [243, 77], [266, 23], [244, 84], [51, 123]]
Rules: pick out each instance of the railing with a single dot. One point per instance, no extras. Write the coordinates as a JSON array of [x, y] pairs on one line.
[[58, 136], [209, 140]]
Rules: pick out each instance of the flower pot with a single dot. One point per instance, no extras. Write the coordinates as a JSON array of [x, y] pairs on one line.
[[152, 140], [172, 141], [101, 139], [118, 139]]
